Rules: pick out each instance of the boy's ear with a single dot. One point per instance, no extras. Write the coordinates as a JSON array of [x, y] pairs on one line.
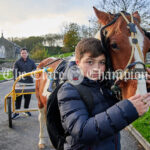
[[77, 61]]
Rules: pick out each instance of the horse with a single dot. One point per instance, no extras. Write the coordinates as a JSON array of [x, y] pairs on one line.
[[41, 85], [127, 46]]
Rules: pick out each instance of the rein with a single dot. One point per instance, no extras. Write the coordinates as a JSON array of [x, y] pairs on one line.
[[52, 62], [103, 43]]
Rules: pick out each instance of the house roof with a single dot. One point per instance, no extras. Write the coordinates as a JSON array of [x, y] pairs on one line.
[[17, 47]]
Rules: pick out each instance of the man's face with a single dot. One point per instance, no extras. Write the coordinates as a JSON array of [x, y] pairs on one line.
[[92, 68], [24, 54]]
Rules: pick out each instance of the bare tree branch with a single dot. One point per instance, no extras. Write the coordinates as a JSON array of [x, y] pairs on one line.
[[115, 6]]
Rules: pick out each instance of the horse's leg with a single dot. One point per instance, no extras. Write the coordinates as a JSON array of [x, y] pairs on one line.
[[41, 116], [42, 122]]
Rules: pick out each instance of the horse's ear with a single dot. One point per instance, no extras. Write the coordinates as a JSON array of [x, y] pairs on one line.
[[137, 16], [103, 18]]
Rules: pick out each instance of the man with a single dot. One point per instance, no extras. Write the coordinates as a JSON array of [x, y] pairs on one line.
[[23, 65]]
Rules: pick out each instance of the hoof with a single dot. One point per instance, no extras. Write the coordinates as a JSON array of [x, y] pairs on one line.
[[42, 146]]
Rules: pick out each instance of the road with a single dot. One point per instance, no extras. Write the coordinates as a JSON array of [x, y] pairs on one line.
[[24, 134]]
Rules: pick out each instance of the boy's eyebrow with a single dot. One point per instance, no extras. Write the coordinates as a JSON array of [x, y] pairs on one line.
[[90, 58], [94, 59], [103, 60]]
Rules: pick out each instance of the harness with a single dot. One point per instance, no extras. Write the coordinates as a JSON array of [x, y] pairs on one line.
[[60, 68], [134, 43]]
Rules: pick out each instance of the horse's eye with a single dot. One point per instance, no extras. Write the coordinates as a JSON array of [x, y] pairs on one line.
[[114, 46]]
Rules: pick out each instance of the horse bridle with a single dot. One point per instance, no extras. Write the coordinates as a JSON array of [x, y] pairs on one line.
[[135, 43]]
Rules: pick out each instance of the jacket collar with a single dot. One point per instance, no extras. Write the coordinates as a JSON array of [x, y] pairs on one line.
[[92, 83], [23, 59]]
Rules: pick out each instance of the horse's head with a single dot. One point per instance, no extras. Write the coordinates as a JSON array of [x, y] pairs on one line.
[[126, 44]]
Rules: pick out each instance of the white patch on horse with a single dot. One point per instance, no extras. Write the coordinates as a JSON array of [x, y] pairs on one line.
[[42, 121], [141, 85], [45, 92], [97, 36]]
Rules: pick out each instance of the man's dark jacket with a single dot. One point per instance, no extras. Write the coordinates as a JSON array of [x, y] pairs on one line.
[[21, 67]]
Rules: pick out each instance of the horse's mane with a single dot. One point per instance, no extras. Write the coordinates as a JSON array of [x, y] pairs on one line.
[[146, 33], [45, 62]]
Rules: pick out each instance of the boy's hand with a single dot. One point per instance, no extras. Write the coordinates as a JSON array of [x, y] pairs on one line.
[[141, 103]]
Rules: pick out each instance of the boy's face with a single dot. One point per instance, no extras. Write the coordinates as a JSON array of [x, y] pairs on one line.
[[92, 68]]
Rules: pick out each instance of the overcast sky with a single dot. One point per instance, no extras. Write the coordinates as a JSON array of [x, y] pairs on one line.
[[23, 18]]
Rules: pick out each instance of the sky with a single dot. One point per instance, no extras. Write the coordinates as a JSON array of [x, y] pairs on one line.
[[24, 18]]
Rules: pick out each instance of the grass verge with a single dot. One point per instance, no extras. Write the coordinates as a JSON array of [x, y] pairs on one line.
[[142, 125], [6, 76]]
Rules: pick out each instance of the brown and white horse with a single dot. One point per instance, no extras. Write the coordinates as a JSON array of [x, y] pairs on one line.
[[42, 94], [120, 48]]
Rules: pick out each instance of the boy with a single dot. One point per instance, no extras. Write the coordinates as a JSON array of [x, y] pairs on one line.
[[101, 130]]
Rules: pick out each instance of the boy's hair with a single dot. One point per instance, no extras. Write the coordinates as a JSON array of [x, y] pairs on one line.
[[89, 45]]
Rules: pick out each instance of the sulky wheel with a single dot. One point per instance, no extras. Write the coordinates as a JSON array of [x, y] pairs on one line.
[[9, 111]]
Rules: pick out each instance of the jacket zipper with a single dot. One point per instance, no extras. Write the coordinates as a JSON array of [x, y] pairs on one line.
[[116, 142], [101, 91]]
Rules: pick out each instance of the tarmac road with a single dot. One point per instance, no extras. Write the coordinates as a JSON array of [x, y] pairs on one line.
[[25, 131]]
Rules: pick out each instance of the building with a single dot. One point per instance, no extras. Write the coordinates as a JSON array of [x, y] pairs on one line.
[[8, 49], [148, 58]]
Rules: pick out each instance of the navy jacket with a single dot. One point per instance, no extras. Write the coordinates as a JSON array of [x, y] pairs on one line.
[[99, 131], [21, 67]]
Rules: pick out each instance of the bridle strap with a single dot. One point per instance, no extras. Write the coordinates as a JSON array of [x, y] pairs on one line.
[[52, 62], [134, 63], [134, 43], [103, 42], [102, 29], [127, 69], [133, 37]]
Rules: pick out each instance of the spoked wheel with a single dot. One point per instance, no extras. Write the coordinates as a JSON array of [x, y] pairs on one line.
[[9, 111]]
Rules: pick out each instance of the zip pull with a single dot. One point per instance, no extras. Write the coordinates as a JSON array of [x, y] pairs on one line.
[[101, 91]]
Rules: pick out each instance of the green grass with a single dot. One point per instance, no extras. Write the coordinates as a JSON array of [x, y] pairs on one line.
[[143, 125], [6, 76], [147, 65]]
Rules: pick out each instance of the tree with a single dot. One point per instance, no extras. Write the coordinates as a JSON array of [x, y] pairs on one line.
[[39, 52], [130, 6], [53, 39], [85, 31], [71, 37], [29, 42], [88, 31]]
